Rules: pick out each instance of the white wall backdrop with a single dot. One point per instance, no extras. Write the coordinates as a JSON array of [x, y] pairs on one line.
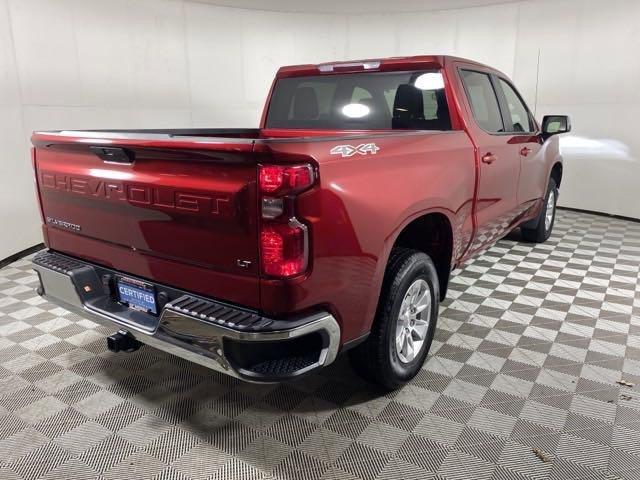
[[165, 63]]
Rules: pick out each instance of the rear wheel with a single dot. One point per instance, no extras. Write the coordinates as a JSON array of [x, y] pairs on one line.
[[545, 219], [403, 329]]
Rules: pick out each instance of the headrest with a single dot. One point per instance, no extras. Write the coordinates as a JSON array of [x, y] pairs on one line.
[[305, 104], [408, 102]]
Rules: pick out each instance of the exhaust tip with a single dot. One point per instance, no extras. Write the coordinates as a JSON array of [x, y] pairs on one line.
[[122, 341]]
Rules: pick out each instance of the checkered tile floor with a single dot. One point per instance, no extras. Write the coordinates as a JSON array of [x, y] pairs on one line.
[[522, 383]]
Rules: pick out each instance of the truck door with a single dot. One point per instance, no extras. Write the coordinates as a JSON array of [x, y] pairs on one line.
[[497, 158], [519, 120]]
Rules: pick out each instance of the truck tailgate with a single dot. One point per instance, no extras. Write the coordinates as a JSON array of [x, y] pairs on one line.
[[181, 212]]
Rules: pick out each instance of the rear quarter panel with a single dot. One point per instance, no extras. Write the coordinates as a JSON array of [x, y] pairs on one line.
[[359, 208]]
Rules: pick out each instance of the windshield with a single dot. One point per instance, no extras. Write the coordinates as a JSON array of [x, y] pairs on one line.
[[361, 101]]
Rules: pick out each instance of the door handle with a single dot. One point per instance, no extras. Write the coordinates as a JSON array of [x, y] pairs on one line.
[[525, 151], [489, 158]]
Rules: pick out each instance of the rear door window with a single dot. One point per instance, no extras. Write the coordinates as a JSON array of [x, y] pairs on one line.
[[483, 100], [361, 101]]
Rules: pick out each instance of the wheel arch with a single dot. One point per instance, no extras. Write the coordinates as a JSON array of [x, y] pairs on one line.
[[556, 173], [432, 234]]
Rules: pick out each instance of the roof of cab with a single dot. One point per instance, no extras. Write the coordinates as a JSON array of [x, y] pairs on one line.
[[374, 64]]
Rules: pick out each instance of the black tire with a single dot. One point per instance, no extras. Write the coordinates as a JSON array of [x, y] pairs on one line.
[[377, 359], [541, 232]]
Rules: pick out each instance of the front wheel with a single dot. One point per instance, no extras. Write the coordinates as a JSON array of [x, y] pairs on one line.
[[403, 329], [546, 219]]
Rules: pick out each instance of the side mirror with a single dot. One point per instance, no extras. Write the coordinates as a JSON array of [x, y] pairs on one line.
[[555, 124]]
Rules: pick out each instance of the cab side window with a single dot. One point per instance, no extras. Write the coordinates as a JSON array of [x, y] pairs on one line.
[[483, 100], [520, 117]]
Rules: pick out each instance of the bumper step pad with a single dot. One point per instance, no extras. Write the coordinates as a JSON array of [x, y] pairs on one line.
[[220, 314], [57, 263]]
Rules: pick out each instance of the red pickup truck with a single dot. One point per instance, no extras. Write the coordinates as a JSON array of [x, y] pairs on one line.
[[264, 253]]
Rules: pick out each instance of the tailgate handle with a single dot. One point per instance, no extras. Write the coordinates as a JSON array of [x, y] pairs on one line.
[[114, 154]]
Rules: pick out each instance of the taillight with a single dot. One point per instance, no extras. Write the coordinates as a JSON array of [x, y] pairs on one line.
[[284, 241], [284, 249], [282, 179]]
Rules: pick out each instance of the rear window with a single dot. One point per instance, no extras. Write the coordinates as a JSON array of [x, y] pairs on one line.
[[361, 101]]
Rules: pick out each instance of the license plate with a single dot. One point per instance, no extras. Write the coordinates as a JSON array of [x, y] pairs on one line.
[[137, 295]]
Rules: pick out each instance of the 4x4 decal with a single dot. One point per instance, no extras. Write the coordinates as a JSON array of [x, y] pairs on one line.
[[350, 150]]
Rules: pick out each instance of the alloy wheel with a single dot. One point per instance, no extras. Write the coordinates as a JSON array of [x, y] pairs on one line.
[[413, 321]]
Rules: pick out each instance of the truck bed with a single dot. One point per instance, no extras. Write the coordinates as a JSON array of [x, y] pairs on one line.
[[184, 212]]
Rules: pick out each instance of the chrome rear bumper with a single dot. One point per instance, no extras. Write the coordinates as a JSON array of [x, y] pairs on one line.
[[222, 337]]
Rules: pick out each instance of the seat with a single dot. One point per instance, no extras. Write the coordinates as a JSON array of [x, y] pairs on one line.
[[408, 107], [305, 104], [444, 117]]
